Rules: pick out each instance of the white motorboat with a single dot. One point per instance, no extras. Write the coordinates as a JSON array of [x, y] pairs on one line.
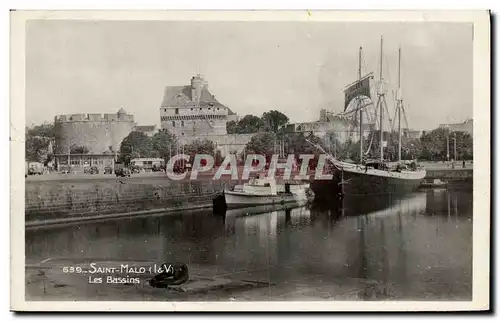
[[266, 191]]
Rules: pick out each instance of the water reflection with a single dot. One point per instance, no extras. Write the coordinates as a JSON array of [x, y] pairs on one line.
[[421, 244]]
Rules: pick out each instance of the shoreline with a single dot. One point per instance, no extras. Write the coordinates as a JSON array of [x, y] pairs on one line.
[[52, 203]]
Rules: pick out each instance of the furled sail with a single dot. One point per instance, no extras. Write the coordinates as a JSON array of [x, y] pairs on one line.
[[359, 88]]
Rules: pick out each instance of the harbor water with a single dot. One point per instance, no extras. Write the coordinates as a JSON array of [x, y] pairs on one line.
[[418, 247]]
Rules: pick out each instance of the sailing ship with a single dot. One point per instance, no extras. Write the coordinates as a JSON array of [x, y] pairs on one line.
[[375, 176]]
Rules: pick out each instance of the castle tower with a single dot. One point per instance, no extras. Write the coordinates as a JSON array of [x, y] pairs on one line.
[[191, 110]]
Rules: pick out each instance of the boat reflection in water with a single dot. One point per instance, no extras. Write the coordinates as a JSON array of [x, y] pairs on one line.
[[266, 222], [356, 205], [414, 248]]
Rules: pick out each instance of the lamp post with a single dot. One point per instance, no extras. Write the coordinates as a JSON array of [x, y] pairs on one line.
[[69, 157], [455, 146], [447, 144]]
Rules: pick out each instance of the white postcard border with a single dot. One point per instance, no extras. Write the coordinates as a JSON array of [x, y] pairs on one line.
[[481, 119]]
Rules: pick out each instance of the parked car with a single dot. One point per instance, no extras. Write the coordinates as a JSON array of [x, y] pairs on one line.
[[108, 170], [64, 169], [123, 172], [135, 169], [94, 170], [118, 167], [35, 168]]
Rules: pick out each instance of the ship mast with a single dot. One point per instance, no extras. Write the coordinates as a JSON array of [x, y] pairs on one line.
[[380, 97], [399, 103], [360, 113]]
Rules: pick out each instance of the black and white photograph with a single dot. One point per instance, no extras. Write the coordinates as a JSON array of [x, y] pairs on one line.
[[250, 161]]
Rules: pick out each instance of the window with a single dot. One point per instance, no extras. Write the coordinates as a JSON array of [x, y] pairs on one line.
[[177, 111], [173, 124], [182, 134], [182, 123]]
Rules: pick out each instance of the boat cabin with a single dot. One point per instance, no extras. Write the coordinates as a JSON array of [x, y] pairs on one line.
[[377, 165], [261, 186]]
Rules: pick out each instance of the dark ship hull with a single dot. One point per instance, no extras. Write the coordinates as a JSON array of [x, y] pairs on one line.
[[352, 183]]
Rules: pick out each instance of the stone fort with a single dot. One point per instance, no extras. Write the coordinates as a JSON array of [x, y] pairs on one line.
[[99, 133]]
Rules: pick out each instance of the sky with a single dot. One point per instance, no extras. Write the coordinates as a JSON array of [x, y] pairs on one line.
[[297, 68]]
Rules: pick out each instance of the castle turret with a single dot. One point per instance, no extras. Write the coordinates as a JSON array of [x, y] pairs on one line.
[[121, 113], [322, 115], [197, 85]]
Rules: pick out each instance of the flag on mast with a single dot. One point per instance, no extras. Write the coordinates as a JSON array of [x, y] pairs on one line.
[[359, 88]]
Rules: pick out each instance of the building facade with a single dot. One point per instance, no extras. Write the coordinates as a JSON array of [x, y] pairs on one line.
[[149, 130], [412, 133], [191, 110], [342, 128], [465, 127]]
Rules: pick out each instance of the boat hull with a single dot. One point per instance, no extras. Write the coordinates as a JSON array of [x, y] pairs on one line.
[[363, 183], [240, 200]]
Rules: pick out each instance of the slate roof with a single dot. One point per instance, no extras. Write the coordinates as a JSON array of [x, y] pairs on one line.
[[179, 96]]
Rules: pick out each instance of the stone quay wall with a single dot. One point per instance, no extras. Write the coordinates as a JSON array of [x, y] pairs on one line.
[[457, 175], [50, 201]]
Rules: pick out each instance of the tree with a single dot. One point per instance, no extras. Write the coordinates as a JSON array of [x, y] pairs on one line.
[[38, 140], [37, 148], [163, 144], [465, 146], [44, 130], [200, 147], [434, 145], [298, 143], [261, 144], [341, 150], [246, 125], [136, 144], [231, 127], [274, 120]]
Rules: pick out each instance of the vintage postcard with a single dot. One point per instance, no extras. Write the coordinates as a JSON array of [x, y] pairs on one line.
[[250, 161]]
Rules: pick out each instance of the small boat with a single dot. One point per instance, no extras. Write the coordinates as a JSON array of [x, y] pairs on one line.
[[266, 191], [436, 183]]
